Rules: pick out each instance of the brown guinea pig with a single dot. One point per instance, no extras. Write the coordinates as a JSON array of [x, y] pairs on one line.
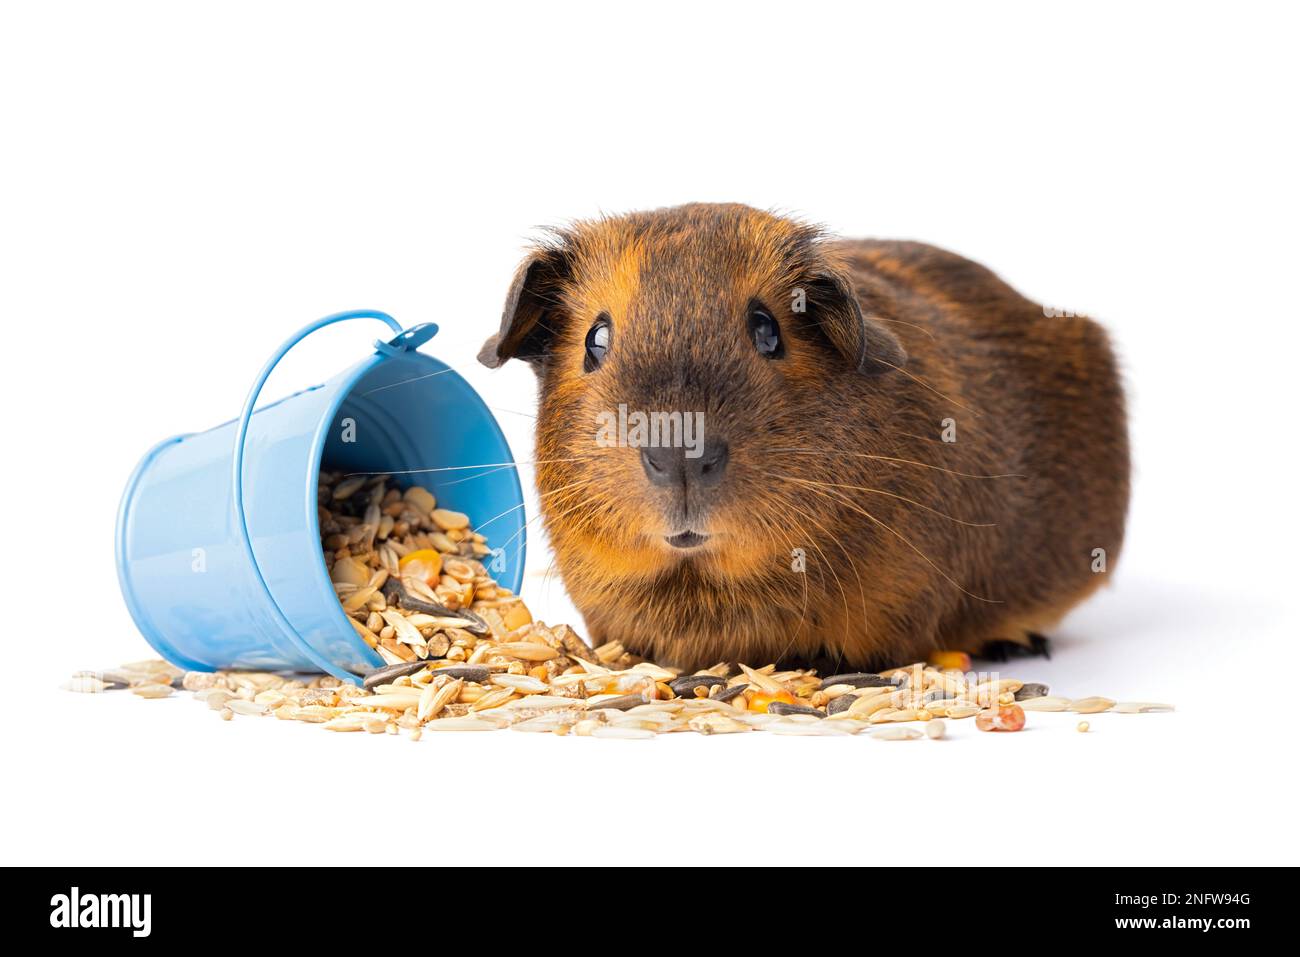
[[880, 449]]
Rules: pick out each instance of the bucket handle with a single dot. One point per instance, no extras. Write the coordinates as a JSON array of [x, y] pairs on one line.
[[404, 340]]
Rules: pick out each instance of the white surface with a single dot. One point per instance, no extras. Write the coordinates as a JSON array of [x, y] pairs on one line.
[[182, 189]]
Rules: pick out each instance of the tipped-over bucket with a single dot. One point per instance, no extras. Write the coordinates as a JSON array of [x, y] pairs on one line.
[[218, 540]]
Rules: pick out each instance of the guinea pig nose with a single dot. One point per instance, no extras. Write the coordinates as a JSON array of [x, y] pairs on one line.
[[681, 467], [663, 466], [711, 464]]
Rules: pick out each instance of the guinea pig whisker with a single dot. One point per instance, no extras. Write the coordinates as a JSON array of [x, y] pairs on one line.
[[890, 458], [539, 514], [550, 568], [881, 491], [925, 385], [513, 508], [835, 496], [462, 468], [811, 518], [470, 478], [803, 611], [493, 471], [492, 467], [394, 385], [510, 510], [902, 322], [912, 435], [579, 485], [825, 560], [568, 511], [848, 616]]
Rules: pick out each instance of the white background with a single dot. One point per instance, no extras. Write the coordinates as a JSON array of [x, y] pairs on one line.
[[184, 185]]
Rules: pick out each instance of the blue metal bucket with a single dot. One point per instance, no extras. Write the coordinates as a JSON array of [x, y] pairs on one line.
[[218, 540]]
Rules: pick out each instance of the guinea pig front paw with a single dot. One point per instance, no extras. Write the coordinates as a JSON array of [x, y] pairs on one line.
[[1034, 645]]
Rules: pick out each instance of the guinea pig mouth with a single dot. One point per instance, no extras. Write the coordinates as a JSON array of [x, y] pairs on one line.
[[686, 539]]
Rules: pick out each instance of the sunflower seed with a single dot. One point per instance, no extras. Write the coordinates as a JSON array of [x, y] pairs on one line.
[[462, 652], [729, 693], [780, 707], [398, 595], [842, 703], [1032, 689], [620, 703], [687, 684], [860, 679], [475, 673], [383, 676]]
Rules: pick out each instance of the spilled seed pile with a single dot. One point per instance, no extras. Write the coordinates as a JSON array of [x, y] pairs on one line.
[[463, 653]]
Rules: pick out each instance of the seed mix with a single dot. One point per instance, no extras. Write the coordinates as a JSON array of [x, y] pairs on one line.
[[463, 653]]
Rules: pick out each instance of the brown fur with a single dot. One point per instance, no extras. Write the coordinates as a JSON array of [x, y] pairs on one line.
[[911, 543]]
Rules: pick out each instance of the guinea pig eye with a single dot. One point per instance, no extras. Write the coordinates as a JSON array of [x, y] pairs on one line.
[[597, 343], [765, 333]]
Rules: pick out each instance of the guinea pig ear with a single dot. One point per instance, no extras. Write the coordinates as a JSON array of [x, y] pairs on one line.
[[525, 333], [857, 335]]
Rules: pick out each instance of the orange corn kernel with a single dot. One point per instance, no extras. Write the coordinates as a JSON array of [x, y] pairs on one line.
[[760, 699], [949, 660], [516, 616], [423, 563]]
